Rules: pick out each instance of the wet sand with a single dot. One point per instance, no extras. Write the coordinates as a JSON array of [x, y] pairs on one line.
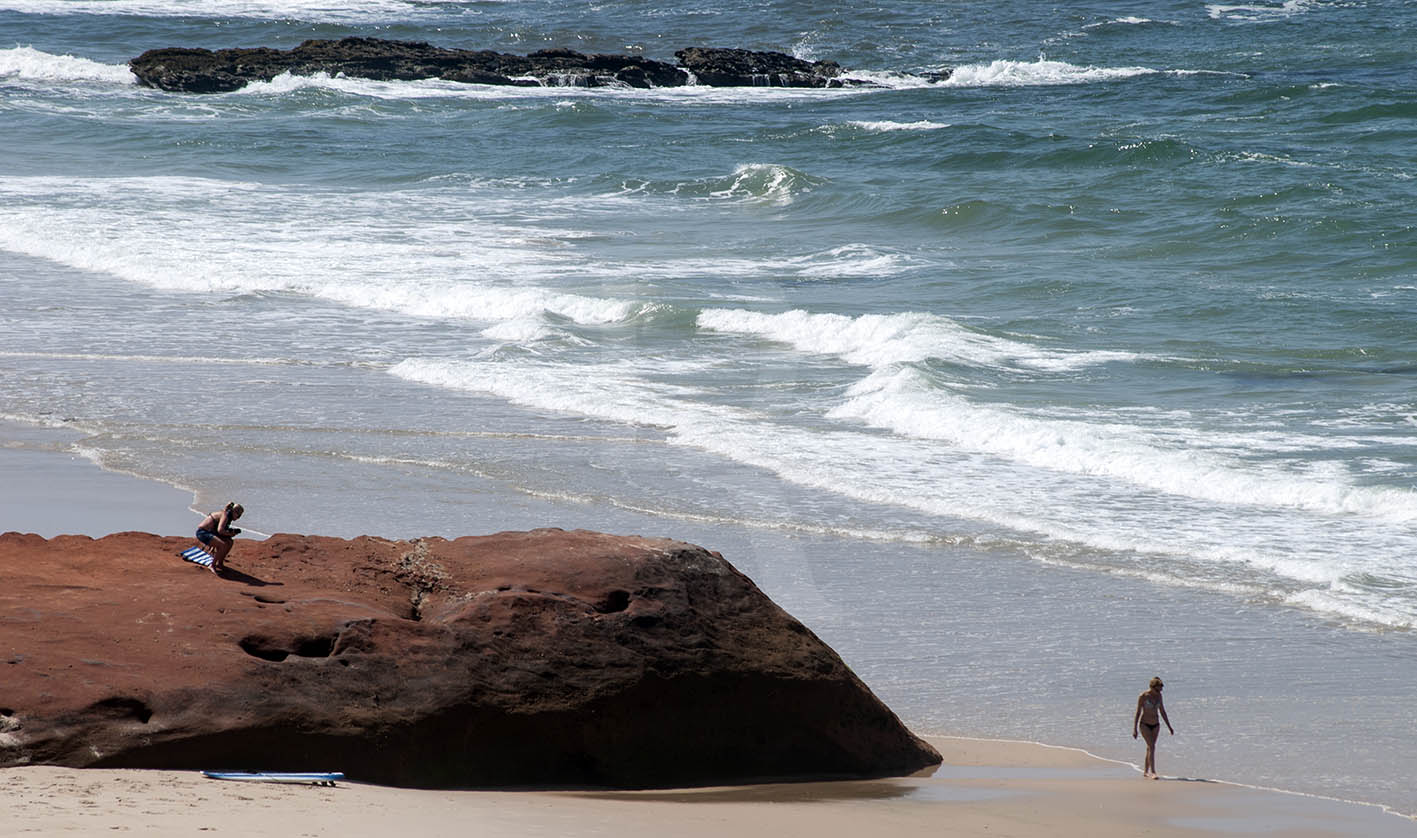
[[984, 788], [48, 490]]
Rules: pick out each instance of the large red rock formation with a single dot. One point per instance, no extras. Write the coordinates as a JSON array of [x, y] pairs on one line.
[[538, 658]]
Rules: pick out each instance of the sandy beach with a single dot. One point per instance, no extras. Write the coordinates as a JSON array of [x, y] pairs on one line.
[[983, 787]]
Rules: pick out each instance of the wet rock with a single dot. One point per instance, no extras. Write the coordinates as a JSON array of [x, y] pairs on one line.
[[745, 68], [224, 70]]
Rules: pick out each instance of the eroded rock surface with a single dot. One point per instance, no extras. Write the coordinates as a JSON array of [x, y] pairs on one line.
[[544, 658], [223, 70]]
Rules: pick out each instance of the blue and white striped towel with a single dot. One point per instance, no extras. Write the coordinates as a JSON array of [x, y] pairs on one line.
[[196, 555]]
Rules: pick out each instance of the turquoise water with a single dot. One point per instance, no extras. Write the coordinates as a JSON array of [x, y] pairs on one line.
[[1105, 343]]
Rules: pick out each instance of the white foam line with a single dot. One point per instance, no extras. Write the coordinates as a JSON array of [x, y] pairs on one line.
[[904, 402], [880, 340], [1006, 73], [1258, 12], [100, 459], [691, 94], [915, 537], [167, 359], [1160, 578], [1311, 600], [30, 64], [883, 536], [1129, 21], [311, 11], [363, 260], [886, 126], [43, 422]]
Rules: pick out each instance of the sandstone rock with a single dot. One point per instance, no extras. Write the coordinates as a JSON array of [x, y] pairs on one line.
[[544, 658]]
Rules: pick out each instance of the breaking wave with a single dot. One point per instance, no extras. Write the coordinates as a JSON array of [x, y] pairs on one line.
[[30, 64]]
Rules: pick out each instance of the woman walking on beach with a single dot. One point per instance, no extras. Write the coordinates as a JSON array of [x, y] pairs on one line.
[[1149, 707]]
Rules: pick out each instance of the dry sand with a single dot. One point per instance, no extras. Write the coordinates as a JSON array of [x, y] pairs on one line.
[[985, 788]]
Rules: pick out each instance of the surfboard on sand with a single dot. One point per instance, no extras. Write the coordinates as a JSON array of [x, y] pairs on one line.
[[316, 778]]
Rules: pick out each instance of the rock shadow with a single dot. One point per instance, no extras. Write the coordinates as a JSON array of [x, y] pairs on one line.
[[231, 574]]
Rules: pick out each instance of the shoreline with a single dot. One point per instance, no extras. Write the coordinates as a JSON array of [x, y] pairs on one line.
[[65, 493], [114, 501], [985, 787], [1135, 767]]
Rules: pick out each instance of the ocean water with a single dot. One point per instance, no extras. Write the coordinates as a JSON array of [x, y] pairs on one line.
[[1093, 362]]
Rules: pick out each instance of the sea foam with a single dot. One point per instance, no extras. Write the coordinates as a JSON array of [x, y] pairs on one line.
[[313, 11], [1058, 479], [885, 126], [28, 63], [1005, 73], [1255, 12], [542, 95], [1164, 459], [358, 257], [877, 340]]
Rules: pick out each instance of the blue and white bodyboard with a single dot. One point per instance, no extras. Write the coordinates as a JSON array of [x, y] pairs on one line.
[[196, 555]]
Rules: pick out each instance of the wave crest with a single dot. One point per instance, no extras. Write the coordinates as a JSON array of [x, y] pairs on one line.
[[1004, 73], [1256, 12], [312, 11], [887, 125], [904, 402], [28, 63], [750, 182], [879, 340]]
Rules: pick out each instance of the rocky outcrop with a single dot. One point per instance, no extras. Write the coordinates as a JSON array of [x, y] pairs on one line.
[[745, 68], [208, 71], [544, 658]]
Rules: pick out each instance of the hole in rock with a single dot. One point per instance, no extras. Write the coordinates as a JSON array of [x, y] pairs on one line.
[[120, 706], [614, 602], [315, 647], [261, 647], [267, 648]]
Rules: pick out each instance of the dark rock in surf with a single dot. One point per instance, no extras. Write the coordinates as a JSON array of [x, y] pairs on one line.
[[545, 658], [744, 68], [224, 70], [207, 71]]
